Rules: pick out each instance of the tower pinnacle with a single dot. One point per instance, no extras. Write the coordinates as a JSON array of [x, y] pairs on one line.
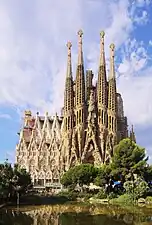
[[112, 69], [102, 81], [69, 67], [102, 55], [132, 134], [80, 53]]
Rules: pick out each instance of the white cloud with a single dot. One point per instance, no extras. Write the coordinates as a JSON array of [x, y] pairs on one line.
[[134, 58], [33, 52], [150, 42], [142, 18], [135, 82], [141, 3], [5, 116], [137, 93]]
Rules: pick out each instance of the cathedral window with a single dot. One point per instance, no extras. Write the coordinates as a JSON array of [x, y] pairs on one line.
[[102, 117], [79, 116], [68, 123], [71, 122], [99, 115], [74, 121], [109, 123], [115, 124], [112, 124], [105, 119]]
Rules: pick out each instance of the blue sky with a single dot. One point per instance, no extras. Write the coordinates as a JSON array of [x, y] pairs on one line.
[[33, 58]]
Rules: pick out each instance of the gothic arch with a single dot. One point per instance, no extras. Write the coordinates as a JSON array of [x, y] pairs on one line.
[[89, 150]]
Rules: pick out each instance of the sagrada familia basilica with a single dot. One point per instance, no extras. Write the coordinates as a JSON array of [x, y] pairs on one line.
[[92, 122]]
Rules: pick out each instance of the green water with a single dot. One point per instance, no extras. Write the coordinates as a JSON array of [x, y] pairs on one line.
[[75, 214]]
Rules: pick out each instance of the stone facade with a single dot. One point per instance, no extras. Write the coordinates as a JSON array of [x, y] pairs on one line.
[[92, 122]]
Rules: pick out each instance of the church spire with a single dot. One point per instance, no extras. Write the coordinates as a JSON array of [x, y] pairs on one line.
[[112, 66], [102, 93], [80, 84], [80, 52], [112, 104], [112, 95], [68, 93], [102, 53], [69, 66]]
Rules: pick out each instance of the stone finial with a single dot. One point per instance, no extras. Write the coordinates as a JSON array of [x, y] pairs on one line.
[[69, 45], [80, 33], [46, 113], [27, 113], [112, 47], [102, 34]]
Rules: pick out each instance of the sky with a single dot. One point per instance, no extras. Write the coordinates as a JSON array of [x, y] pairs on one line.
[[33, 58]]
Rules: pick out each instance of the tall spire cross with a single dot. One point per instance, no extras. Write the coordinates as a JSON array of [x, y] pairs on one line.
[[80, 53]]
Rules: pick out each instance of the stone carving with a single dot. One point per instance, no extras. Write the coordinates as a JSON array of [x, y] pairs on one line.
[[91, 109]]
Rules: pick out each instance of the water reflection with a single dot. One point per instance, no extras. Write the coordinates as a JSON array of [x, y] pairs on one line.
[[72, 215]]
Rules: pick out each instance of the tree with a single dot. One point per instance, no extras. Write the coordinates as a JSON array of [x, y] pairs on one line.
[[12, 180], [81, 174], [148, 173], [128, 158], [67, 178], [103, 175], [136, 188], [21, 178], [6, 174]]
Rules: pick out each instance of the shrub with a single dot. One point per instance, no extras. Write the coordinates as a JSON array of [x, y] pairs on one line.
[[70, 195], [84, 195], [125, 199], [101, 194], [136, 189], [149, 199], [112, 195]]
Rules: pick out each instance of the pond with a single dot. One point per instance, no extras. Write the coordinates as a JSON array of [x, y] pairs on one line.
[[76, 214]]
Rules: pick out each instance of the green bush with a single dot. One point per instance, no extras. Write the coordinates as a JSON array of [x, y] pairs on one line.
[[101, 194], [112, 195], [149, 199], [70, 195], [84, 195], [125, 199], [136, 189]]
